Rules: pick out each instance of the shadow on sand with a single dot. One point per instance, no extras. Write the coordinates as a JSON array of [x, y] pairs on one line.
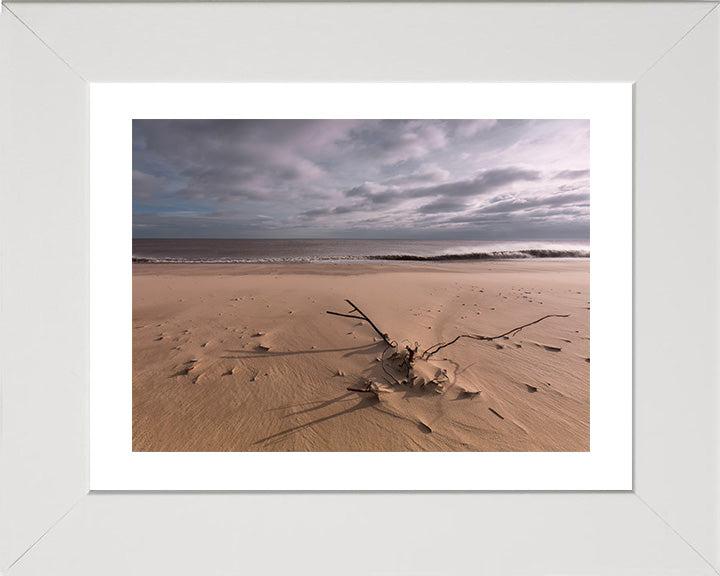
[[364, 402], [351, 351]]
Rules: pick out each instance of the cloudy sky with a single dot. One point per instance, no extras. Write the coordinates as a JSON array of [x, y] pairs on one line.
[[471, 179]]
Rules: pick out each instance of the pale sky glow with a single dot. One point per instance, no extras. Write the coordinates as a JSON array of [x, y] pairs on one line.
[[474, 179]]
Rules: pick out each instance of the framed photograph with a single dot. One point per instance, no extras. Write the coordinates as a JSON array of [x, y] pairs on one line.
[[183, 215], [497, 223]]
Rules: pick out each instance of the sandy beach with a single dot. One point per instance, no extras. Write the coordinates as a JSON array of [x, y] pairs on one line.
[[244, 357]]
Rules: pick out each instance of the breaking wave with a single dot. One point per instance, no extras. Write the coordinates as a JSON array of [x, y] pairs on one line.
[[491, 255], [494, 255]]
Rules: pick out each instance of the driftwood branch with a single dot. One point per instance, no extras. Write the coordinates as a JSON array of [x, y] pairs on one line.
[[435, 348], [368, 390], [409, 364], [362, 316]]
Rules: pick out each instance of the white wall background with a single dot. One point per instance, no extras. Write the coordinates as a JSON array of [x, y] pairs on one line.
[[668, 526]]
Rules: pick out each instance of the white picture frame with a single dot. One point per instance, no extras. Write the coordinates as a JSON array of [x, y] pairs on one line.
[[668, 524]]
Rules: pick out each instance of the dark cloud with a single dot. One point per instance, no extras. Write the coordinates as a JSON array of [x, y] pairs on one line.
[[240, 159], [573, 187], [315, 212], [513, 227], [523, 203], [572, 174], [237, 178], [366, 190], [395, 141], [484, 182], [426, 174], [372, 193], [442, 205], [145, 186], [327, 211], [470, 128]]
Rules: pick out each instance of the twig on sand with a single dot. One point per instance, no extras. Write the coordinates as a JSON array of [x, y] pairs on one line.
[[497, 414], [435, 348], [363, 317], [368, 389]]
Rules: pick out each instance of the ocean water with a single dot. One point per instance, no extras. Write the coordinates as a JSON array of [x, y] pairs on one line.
[[347, 250]]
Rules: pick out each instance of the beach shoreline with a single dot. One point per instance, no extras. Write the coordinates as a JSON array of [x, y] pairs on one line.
[[243, 357]]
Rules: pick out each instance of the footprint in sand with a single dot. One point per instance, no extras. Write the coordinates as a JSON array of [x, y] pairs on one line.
[[188, 367]]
